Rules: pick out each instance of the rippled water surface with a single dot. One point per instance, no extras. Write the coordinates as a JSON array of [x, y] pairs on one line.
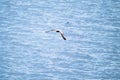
[[91, 51]]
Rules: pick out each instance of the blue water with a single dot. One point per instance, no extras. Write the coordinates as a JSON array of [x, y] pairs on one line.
[[91, 51]]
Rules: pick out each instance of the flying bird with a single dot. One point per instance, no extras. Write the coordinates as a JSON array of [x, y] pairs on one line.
[[59, 31]]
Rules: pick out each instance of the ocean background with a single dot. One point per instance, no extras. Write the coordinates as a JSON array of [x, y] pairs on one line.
[[91, 51]]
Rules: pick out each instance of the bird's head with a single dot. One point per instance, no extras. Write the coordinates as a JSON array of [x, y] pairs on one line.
[[57, 31]]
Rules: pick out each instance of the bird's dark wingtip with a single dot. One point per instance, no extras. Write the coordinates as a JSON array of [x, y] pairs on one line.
[[64, 38]]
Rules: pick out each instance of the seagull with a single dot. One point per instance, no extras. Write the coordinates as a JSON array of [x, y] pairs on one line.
[[58, 31]]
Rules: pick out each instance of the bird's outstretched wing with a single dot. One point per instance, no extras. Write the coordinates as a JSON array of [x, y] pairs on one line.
[[50, 30], [63, 36]]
